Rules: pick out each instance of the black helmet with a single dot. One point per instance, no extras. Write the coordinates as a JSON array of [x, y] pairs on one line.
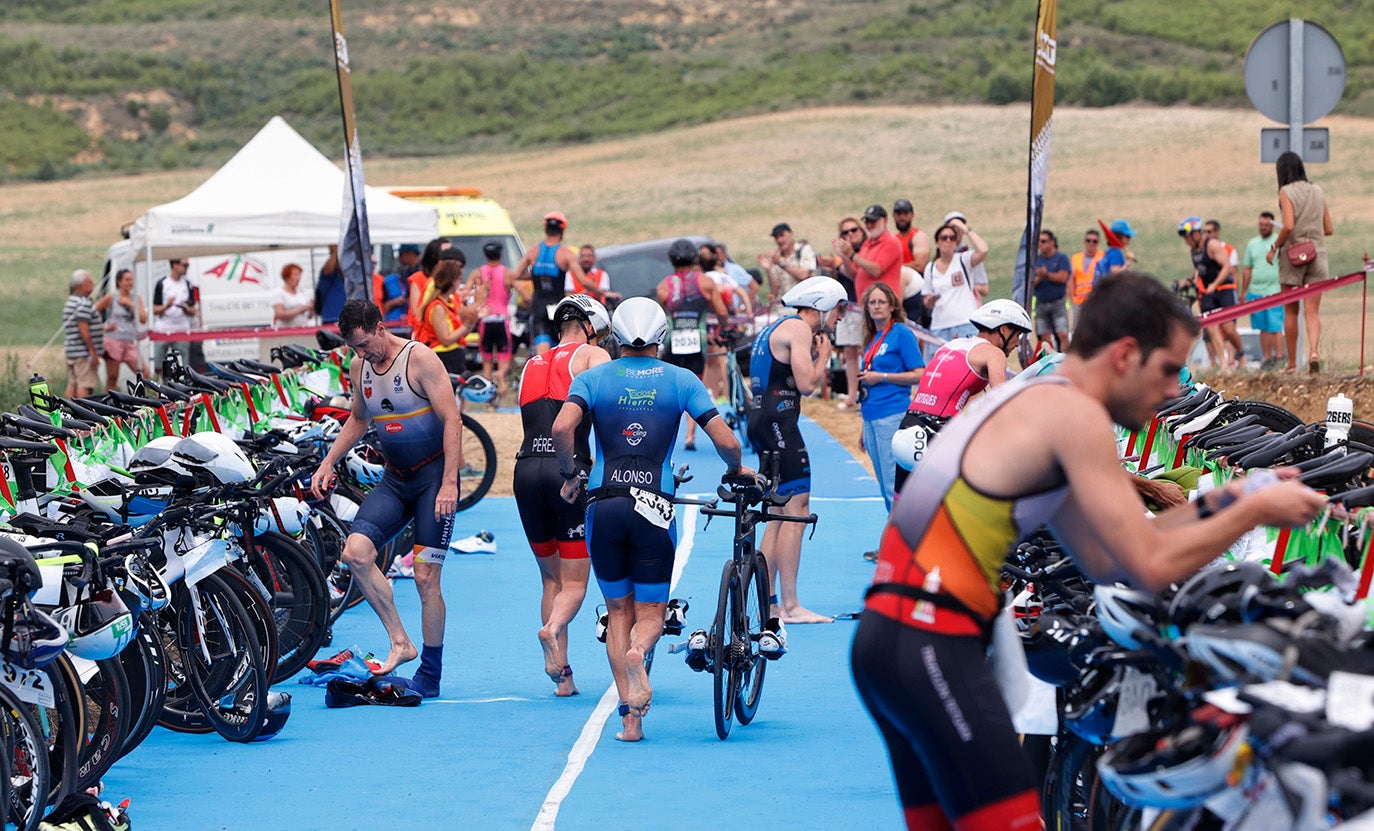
[[682, 252], [492, 250]]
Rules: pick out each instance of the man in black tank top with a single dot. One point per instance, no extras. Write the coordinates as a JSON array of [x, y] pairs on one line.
[[421, 486]]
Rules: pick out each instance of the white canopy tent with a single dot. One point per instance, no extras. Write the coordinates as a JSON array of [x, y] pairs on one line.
[[278, 191]]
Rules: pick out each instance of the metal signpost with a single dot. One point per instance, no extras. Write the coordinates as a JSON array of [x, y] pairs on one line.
[[1294, 74]]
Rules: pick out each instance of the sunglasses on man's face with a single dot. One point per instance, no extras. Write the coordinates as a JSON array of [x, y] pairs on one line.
[[946, 238], [850, 230]]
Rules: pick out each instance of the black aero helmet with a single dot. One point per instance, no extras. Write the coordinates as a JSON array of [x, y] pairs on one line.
[[492, 250], [683, 252]]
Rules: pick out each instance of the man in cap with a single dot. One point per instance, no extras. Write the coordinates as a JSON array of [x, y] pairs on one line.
[[915, 242], [1119, 257], [878, 259], [539, 279], [788, 264], [391, 292]]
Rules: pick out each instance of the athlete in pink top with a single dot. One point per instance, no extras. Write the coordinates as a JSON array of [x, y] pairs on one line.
[[490, 285]]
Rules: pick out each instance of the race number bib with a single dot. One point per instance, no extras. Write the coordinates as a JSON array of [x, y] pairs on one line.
[[29, 685], [686, 341], [1132, 714], [657, 509]]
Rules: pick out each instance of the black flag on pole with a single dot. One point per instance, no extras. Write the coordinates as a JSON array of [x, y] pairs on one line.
[[355, 243]]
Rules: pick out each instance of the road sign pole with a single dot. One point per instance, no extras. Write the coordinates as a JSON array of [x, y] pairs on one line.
[[1295, 79]]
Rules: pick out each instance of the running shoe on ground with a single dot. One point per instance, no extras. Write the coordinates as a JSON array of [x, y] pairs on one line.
[[335, 662], [480, 543]]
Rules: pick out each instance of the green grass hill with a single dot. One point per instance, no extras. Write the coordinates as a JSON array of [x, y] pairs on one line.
[[130, 85]]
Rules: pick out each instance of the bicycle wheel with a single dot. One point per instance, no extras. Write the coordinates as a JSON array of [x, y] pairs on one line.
[[754, 613], [62, 726], [146, 655], [259, 615], [106, 691], [290, 580], [23, 746], [724, 678], [324, 537], [479, 464], [223, 662], [739, 402], [180, 712]]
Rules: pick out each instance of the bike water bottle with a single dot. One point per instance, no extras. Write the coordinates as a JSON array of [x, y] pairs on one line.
[[1340, 411], [39, 394]]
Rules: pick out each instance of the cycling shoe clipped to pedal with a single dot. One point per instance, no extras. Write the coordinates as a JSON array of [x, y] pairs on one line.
[[675, 617], [773, 640], [602, 620], [698, 658]]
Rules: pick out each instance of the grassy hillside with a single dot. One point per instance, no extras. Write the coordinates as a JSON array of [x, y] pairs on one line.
[[128, 85]]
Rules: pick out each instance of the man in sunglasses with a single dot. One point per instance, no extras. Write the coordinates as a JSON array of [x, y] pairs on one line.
[[1084, 269], [176, 303], [878, 259]]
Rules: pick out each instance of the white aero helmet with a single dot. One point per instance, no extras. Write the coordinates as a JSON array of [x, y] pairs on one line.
[[583, 306], [286, 514], [99, 629], [215, 454], [996, 313], [639, 322], [820, 293], [912, 282], [365, 464]]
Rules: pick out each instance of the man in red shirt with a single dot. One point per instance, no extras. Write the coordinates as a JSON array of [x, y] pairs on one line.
[[879, 259]]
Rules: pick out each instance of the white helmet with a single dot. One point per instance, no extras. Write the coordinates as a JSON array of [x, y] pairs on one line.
[[477, 389], [156, 455], [996, 313], [909, 445], [820, 293], [639, 322], [365, 464], [286, 514], [99, 629], [215, 454], [583, 306]]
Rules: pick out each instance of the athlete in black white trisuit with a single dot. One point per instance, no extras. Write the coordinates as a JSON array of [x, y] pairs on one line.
[[400, 386], [789, 361], [635, 403], [555, 529]]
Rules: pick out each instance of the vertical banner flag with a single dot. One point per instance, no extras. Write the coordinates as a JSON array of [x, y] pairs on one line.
[[1042, 113], [355, 244]]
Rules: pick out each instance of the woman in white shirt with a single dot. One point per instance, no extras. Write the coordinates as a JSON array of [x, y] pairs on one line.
[[950, 291], [289, 306]]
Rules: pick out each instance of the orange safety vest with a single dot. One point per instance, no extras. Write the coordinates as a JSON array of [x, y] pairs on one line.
[[1083, 276]]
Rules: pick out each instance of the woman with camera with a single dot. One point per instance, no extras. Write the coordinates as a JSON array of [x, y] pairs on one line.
[[889, 366]]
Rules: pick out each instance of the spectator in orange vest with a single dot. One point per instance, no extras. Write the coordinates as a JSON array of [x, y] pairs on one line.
[[1084, 269]]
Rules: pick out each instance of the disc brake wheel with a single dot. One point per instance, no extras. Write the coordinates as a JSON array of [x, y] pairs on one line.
[[752, 664], [724, 680], [223, 662]]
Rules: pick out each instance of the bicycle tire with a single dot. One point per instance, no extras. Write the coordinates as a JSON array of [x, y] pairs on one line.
[[739, 403], [62, 727], [107, 710], [753, 614], [259, 615], [290, 580], [1269, 415], [180, 712], [477, 444], [149, 652], [723, 676], [324, 537], [24, 748], [231, 686]]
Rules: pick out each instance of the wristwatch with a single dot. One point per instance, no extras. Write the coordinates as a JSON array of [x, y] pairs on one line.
[[568, 477]]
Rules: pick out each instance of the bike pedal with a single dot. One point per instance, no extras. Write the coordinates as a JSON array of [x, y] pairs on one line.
[[697, 658], [675, 617], [772, 640]]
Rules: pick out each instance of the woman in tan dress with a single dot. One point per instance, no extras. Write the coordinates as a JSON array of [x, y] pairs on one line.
[[1305, 219]]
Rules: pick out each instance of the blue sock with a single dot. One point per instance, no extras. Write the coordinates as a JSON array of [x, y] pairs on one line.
[[426, 680]]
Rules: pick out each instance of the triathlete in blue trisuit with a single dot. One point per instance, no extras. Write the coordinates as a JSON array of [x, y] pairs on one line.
[[635, 404], [539, 280], [789, 361], [401, 386]]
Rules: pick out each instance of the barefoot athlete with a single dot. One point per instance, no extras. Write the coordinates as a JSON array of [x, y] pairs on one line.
[[402, 387], [635, 403], [1038, 451], [789, 361], [554, 528]]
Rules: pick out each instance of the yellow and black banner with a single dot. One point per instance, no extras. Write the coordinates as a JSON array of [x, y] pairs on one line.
[[1042, 124], [355, 243]]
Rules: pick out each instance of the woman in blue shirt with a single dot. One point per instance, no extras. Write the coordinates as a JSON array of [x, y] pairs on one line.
[[890, 365]]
